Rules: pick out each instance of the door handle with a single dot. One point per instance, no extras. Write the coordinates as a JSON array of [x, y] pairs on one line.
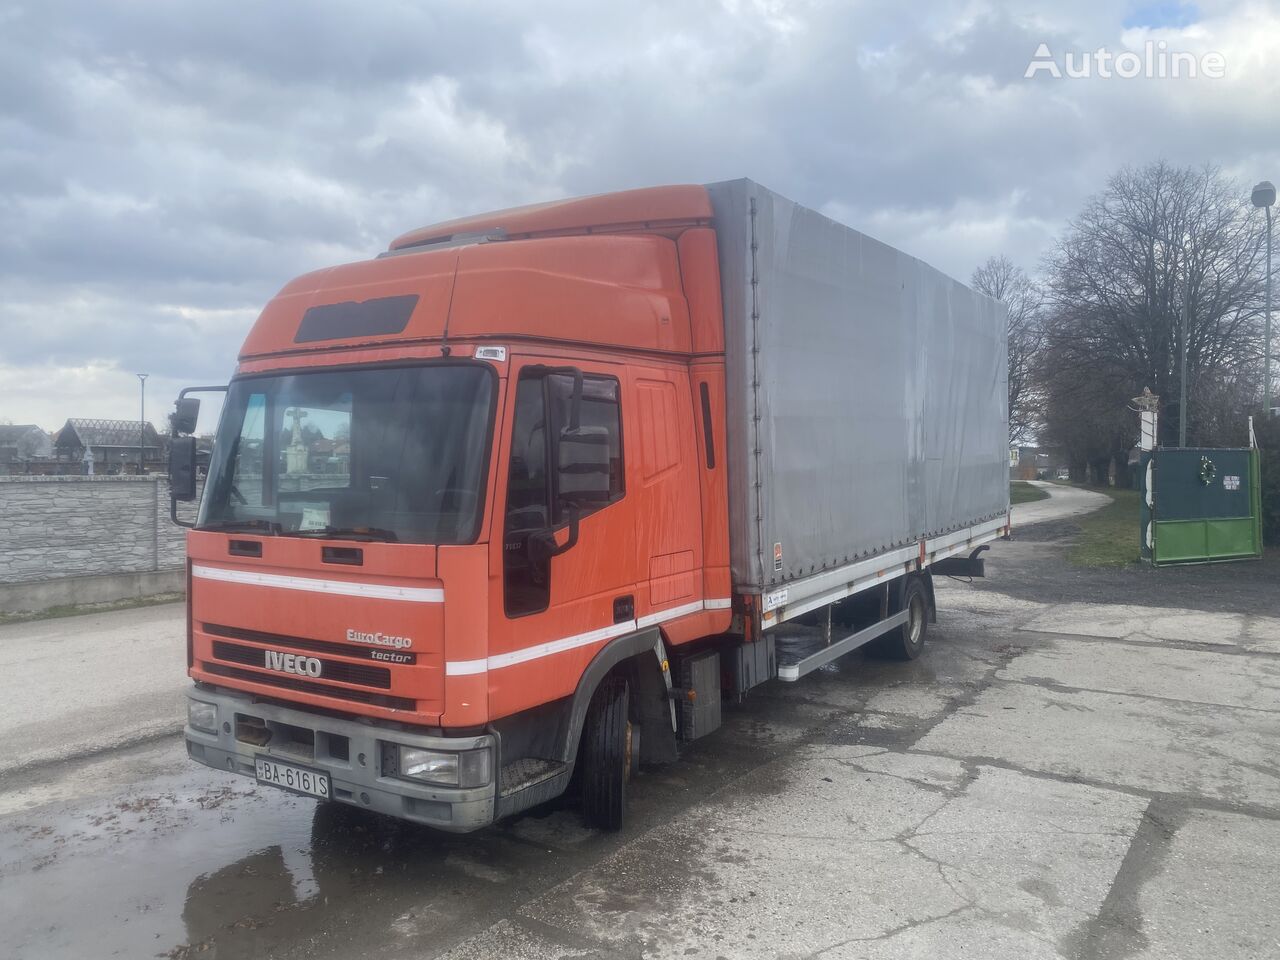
[[624, 609]]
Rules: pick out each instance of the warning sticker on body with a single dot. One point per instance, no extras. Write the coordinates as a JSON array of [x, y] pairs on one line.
[[777, 556]]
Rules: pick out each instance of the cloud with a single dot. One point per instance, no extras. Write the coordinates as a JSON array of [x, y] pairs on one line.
[[167, 167]]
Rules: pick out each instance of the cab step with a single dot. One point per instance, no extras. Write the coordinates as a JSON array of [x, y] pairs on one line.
[[523, 774]]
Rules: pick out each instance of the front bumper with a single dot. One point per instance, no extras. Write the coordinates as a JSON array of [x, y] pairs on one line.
[[350, 752]]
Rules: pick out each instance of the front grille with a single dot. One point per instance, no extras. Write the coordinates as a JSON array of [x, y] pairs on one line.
[[307, 686], [384, 654], [329, 669]]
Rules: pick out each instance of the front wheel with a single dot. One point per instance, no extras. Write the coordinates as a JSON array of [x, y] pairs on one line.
[[907, 641], [606, 755]]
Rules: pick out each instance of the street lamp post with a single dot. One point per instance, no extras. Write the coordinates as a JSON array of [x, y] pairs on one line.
[[1182, 387], [142, 421], [1264, 195]]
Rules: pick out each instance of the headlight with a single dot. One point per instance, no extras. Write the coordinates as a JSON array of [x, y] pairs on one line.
[[470, 768], [202, 716]]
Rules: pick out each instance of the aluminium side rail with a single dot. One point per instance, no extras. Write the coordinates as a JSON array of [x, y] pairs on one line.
[[811, 593]]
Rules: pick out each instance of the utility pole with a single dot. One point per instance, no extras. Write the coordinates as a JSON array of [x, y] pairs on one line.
[[142, 422], [1182, 398], [1264, 195]]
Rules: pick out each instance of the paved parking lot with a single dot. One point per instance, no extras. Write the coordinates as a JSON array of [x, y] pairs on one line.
[[1053, 780], [1082, 765]]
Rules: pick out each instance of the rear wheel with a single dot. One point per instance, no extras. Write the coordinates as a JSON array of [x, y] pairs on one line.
[[907, 641], [606, 755]]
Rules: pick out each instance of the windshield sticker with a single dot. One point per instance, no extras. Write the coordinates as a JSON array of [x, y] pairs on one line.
[[315, 516]]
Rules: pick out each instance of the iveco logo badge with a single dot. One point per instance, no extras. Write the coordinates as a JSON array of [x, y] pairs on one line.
[[380, 639], [292, 663]]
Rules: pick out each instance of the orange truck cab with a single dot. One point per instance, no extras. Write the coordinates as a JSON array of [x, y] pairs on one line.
[[469, 518]]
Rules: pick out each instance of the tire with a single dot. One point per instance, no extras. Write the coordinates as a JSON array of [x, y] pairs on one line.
[[907, 641], [605, 756]]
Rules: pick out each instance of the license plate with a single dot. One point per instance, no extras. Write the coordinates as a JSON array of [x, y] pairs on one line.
[[311, 783]]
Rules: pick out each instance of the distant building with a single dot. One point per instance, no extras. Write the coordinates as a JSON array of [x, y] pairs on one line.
[[1035, 463], [21, 445], [111, 445]]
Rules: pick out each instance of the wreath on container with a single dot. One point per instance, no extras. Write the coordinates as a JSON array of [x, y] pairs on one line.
[[1208, 472]]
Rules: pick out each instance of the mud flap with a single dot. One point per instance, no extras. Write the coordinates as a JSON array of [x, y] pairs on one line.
[[651, 712]]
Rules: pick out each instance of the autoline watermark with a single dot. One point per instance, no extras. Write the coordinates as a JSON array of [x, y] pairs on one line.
[[1154, 62]]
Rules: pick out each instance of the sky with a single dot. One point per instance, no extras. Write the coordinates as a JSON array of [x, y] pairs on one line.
[[166, 166]]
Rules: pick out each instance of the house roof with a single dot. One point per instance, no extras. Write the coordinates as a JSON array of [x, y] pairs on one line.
[[23, 441], [105, 433], [11, 433]]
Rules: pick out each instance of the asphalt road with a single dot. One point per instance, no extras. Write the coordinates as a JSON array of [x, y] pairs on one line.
[[1063, 502], [1053, 778], [79, 685]]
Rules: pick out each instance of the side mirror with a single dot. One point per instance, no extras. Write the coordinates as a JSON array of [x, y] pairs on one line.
[[182, 468], [186, 411]]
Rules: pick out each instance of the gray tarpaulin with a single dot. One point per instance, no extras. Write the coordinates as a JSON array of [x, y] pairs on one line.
[[866, 392]]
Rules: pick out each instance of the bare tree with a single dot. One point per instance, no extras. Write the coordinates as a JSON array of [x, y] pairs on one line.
[[1157, 237], [1087, 417], [1001, 280]]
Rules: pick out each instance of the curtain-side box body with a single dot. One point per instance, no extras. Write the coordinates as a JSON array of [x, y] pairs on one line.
[[866, 391]]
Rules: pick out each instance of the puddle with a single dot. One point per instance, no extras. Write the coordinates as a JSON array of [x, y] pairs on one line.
[[110, 878], [197, 865], [143, 854]]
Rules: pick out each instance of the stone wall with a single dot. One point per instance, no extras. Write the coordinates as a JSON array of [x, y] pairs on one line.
[[58, 527]]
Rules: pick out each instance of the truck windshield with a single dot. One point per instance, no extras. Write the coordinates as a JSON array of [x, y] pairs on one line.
[[395, 454]]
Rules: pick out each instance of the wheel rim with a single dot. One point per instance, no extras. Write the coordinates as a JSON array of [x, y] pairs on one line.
[[915, 620]]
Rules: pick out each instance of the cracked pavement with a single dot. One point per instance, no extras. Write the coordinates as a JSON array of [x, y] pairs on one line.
[[1051, 780], [1057, 777]]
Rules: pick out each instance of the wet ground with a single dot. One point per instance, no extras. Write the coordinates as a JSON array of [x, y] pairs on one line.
[[1077, 767]]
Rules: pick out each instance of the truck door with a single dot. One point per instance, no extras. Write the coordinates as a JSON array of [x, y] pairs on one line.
[[567, 574], [666, 487]]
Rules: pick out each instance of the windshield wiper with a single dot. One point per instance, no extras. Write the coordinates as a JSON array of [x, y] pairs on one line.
[[346, 533], [248, 523]]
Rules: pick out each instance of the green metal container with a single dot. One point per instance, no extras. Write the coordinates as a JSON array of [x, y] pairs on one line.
[[1206, 505]]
